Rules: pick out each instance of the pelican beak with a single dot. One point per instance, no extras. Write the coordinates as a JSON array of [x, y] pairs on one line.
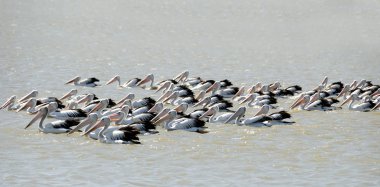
[[165, 86], [73, 80], [97, 125], [83, 123], [238, 114], [346, 101], [258, 87], [212, 87], [159, 115], [116, 78], [163, 118], [377, 92], [344, 91], [38, 116], [209, 112], [85, 99], [353, 84], [97, 107], [156, 108], [173, 96], [376, 106], [324, 82], [27, 104], [182, 76], [251, 90], [130, 96], [69, 94], [201, 95], [315, 97], [205, 101], [239, 93], [115, 117], [263, 110], [8, 102], [248, 98], [33, 93], [148, 78], [298, 102], [165, 95]]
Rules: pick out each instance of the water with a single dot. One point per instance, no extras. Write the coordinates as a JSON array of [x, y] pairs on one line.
[[45, 43]]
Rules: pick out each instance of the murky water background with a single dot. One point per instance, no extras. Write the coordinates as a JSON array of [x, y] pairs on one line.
[[45, 43]]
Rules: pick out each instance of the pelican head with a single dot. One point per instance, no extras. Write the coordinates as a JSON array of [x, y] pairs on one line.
[[33, 93], [168, 117], [90, 120], [69, 94], [148, 78], [237, 115], [103, 122], [11, 101], [74, 80], [114, 79]]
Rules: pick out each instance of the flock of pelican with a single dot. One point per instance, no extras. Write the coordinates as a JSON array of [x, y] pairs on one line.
[[210, 101]]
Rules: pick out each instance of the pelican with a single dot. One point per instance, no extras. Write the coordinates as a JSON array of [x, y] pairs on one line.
[[204, 85], [11, 104], [213, 118], [144, 127], [123, 119], [256, 100], [187, 124], [148, 78], [254, 121], [56, 127], [76, 114], [156, 108], [89, 82], [146, 101], [123, 135], [226, 92], [190, 100], [365, 106], [182, 77], [306, 103]]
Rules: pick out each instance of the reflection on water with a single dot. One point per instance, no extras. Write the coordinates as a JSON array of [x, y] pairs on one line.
[[45, 43]]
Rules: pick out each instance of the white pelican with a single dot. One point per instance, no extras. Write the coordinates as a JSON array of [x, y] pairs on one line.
[[144, 127], [56, 127], [366, 105], [122, 135], [89, 82], [187, 124]]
